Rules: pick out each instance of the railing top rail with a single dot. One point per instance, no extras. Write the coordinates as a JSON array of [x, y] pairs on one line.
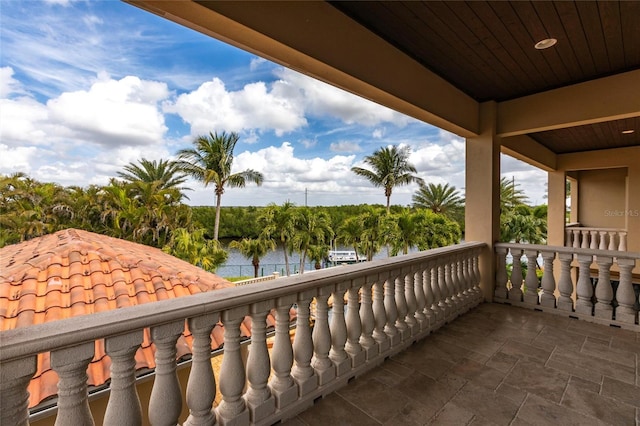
[[563, 249], [594, 228], [26, 341]]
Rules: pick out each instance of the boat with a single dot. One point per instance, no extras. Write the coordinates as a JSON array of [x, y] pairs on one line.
[[340, 257]]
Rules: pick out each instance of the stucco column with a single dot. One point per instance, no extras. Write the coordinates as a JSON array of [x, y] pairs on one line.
[[556, 211], [633, 209], [482, 206]]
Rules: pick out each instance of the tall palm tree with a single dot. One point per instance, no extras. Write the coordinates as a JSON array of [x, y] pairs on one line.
[[511, 195], [194, 248], [278, 222], [210, 162], [312, 228], [254, 249], [165, 172], [391, 168], [440, 199], [350, 234]]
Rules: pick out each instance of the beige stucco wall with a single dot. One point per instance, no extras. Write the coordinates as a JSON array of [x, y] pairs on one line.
[[602, 201]]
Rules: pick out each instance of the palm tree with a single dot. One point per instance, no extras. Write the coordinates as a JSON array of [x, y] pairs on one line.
[[317, 253], [165, 173], [195, 249], [311, 228], [510, 195], [254, 249], [440, 199], [278, 222], [391, 168], [350, 234], [210, 161]]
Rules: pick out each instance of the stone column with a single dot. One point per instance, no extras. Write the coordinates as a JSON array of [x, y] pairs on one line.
[[71, 365], [282, 385], [302, 372], [15, 376], [323, 366], [258, 397], [123, 408]]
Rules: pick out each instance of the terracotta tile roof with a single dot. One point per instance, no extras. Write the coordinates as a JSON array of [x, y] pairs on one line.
[[74, 272]]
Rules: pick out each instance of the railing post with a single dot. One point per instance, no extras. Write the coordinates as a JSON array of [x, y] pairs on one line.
[[565, 286], [232, 409], [258, 397], [438, 305], [462, 283], [622, 246], [452, 286], [531, 280], [410, 297], [391, 309], [165, 402], [379, 313], [501, 291], [71, 365], [123, 408], [626, 297], [401, 305], [515, 293], [604, 291], [14, 397], [282, 385], [594, 240], [568, 237], [585, 239], [584, 291], [322, 339], [302, 372], [201, 387], [367, 341], [339, 331], [475, 272], [548, 281], [354, 324], [612, 240], [576, 238], [444, 302]]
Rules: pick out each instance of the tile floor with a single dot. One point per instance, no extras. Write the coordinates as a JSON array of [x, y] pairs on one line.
[[497, 365]]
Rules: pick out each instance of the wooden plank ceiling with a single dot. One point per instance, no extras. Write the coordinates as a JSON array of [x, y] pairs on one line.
[[485, 48]]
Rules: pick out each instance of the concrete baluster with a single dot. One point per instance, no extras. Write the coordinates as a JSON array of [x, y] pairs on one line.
[[576, 238], [123, 408], [391, 309], [603, 240], [462, 283], [258, 397], [604, 290], [201, 387], [15, 376], [594, 239], [548, 281], [585, 239], [339, 331], [379, 314], [531, 280], [438, 304], [515, 293], [612, 241], [568, 237], [302, 372], [584, 291], [410, 297], [452, 285], [565, 284], [367, 342], [501, 291], [475, 273], [445, 300], [622, 246], [71, 365], [401, 305], [429, 313], [626, 297], [354, 325], [282, 385], [418, 289], [232, 410], [165, 402], [322, 339]]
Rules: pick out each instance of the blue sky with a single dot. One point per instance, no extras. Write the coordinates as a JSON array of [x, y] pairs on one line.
[[89, 86]]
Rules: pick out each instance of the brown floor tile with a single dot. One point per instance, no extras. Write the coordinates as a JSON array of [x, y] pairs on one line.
[[540, 411], [293, 422], [485, 404], [621, 391], [451, 414], [601, 407], [412, 414], [391, 373], [374, 398], [502, 362], [585, 384], [550, 337], [512, 393], [479, 374], [532, 377], [335, 411], [431, 394], [606, 368], [602, 349], [525, 351], [575, 370]]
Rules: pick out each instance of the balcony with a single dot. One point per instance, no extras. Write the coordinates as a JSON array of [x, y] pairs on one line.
[[409, 344]]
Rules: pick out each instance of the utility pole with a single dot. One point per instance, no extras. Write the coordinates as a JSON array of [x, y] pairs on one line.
[[306, 192]]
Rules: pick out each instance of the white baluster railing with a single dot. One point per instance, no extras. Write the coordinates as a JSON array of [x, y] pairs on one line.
[[596, 297], [391, 303], [596, 238]]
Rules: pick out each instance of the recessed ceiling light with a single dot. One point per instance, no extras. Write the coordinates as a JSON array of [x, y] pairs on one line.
[[546, 43], [628, 132]]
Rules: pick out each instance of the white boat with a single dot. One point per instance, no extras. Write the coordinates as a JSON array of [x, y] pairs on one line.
[[344, 256]]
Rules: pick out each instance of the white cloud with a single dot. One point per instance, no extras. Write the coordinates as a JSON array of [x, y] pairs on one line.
[[8, 84], [16, 159], [344, 146], [254, 107], [378, 133]]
